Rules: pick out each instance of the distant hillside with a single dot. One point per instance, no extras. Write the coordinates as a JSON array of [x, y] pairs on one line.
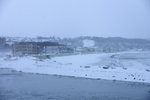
[[115, 43], [105, 44]]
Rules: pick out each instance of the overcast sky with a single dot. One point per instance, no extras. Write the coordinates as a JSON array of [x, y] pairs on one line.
[[71, 18]]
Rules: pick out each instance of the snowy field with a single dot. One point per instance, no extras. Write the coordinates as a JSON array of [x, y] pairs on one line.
[[125, 66]]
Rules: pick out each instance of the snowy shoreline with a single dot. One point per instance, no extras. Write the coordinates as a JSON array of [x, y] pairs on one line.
[[108, 66]]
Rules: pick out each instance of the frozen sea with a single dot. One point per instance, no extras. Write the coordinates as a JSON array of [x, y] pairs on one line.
[[27, 86]]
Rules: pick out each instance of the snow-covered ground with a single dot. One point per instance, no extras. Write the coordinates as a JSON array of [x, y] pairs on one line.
[[125, 66]]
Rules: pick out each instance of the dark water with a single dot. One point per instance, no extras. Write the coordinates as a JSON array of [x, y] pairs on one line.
[[20, 86]]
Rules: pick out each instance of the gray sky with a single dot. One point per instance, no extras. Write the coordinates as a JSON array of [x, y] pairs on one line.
[[69, 18]]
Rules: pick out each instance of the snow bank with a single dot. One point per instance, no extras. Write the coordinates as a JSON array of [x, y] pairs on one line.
[[110, 66]]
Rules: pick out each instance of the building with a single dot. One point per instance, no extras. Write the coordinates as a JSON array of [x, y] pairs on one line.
[[58, 50], [66, 49], [31, 48], [3, 46], [2, 42]]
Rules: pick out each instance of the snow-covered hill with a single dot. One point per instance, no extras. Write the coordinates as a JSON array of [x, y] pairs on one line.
[[88, 43]]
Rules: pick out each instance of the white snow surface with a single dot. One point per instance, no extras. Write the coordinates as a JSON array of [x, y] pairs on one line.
[[125, 66], [88, 43]]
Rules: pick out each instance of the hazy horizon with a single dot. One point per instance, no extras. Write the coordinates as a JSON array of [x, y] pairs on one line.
[[74, 18]]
